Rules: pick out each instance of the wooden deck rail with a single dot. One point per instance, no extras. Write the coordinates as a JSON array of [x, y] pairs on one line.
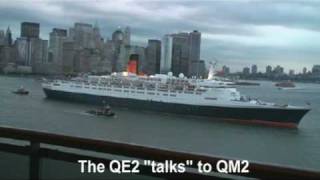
[[35, 151]]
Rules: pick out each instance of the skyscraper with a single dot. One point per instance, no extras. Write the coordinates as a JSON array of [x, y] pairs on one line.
[[166, 53], [2, 38], [180, 54], [268, 69], [8, 37], [127, 36], [184, 51], [304, 70], [153, 56], [30, 30], [254, 69], [83, 36], [57, 38], [195, 43]]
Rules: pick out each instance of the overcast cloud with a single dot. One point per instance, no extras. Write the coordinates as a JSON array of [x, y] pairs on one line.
[[236, 32]]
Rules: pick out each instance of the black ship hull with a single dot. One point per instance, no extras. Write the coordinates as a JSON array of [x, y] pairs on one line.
[[280, 117]]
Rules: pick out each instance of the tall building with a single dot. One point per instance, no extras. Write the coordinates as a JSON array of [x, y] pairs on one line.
[[57, 38], [166, 54], [198, 69], [278, 70], [180, 54], [316, 69], [184, 50], [226, 70], [30, 30], [23, 47], [304, 70], [153, 56], [246, 71], [68, 56], [8, 37], [254, 69], [195, 43], [117, 41], [84, 36], [291, 72], [268, 69], [2, 38], [125, 52], [31, 50], [127, 36]]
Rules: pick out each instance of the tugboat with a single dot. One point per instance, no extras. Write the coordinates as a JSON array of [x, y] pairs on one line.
[[286, 84], [104, 111], [21, 91]]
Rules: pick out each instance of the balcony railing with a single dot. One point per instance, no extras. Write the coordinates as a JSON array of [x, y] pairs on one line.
[[36, 152]]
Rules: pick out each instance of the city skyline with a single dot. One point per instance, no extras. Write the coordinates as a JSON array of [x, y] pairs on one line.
[[282, 33]]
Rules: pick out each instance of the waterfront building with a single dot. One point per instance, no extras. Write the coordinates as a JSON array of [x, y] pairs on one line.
[[68, 56], [254, 69], [179, 51], [180, 54], [304, 70], [195, 43], [57, 37], [166, 53], [30, 30], [246, 71], [291, 72], [268, 69], [278, 70], [316, 69], [153, 56], [2, 38], [198, 69], [8, 37], [85, 36], [7, 55], [125, 52], [225, 70], [127, 36]]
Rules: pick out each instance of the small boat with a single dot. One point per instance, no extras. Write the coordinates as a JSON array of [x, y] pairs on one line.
[[21, 91], [286, 84], [105, 111]]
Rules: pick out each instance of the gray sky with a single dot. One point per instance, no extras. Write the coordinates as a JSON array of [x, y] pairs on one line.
[[236, 32]]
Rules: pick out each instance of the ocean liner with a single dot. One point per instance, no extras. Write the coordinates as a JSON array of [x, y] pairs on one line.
[[166, 93]]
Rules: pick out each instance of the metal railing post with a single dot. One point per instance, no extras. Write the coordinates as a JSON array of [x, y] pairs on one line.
[[34, 166]]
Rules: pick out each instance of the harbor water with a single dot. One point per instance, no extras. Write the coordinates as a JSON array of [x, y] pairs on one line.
[[291, 147]]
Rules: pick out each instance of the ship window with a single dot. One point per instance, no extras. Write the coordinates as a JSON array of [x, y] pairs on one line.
[[173, 95], [140, 92], [151, 93], [132, 91], [87, 87], [165, 94], [210, 98], [108, 89], [125, 91], [55, 84], [117, 90], [94, 88]]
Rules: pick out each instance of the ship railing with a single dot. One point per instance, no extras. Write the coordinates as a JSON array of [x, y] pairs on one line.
[[59, 149]]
